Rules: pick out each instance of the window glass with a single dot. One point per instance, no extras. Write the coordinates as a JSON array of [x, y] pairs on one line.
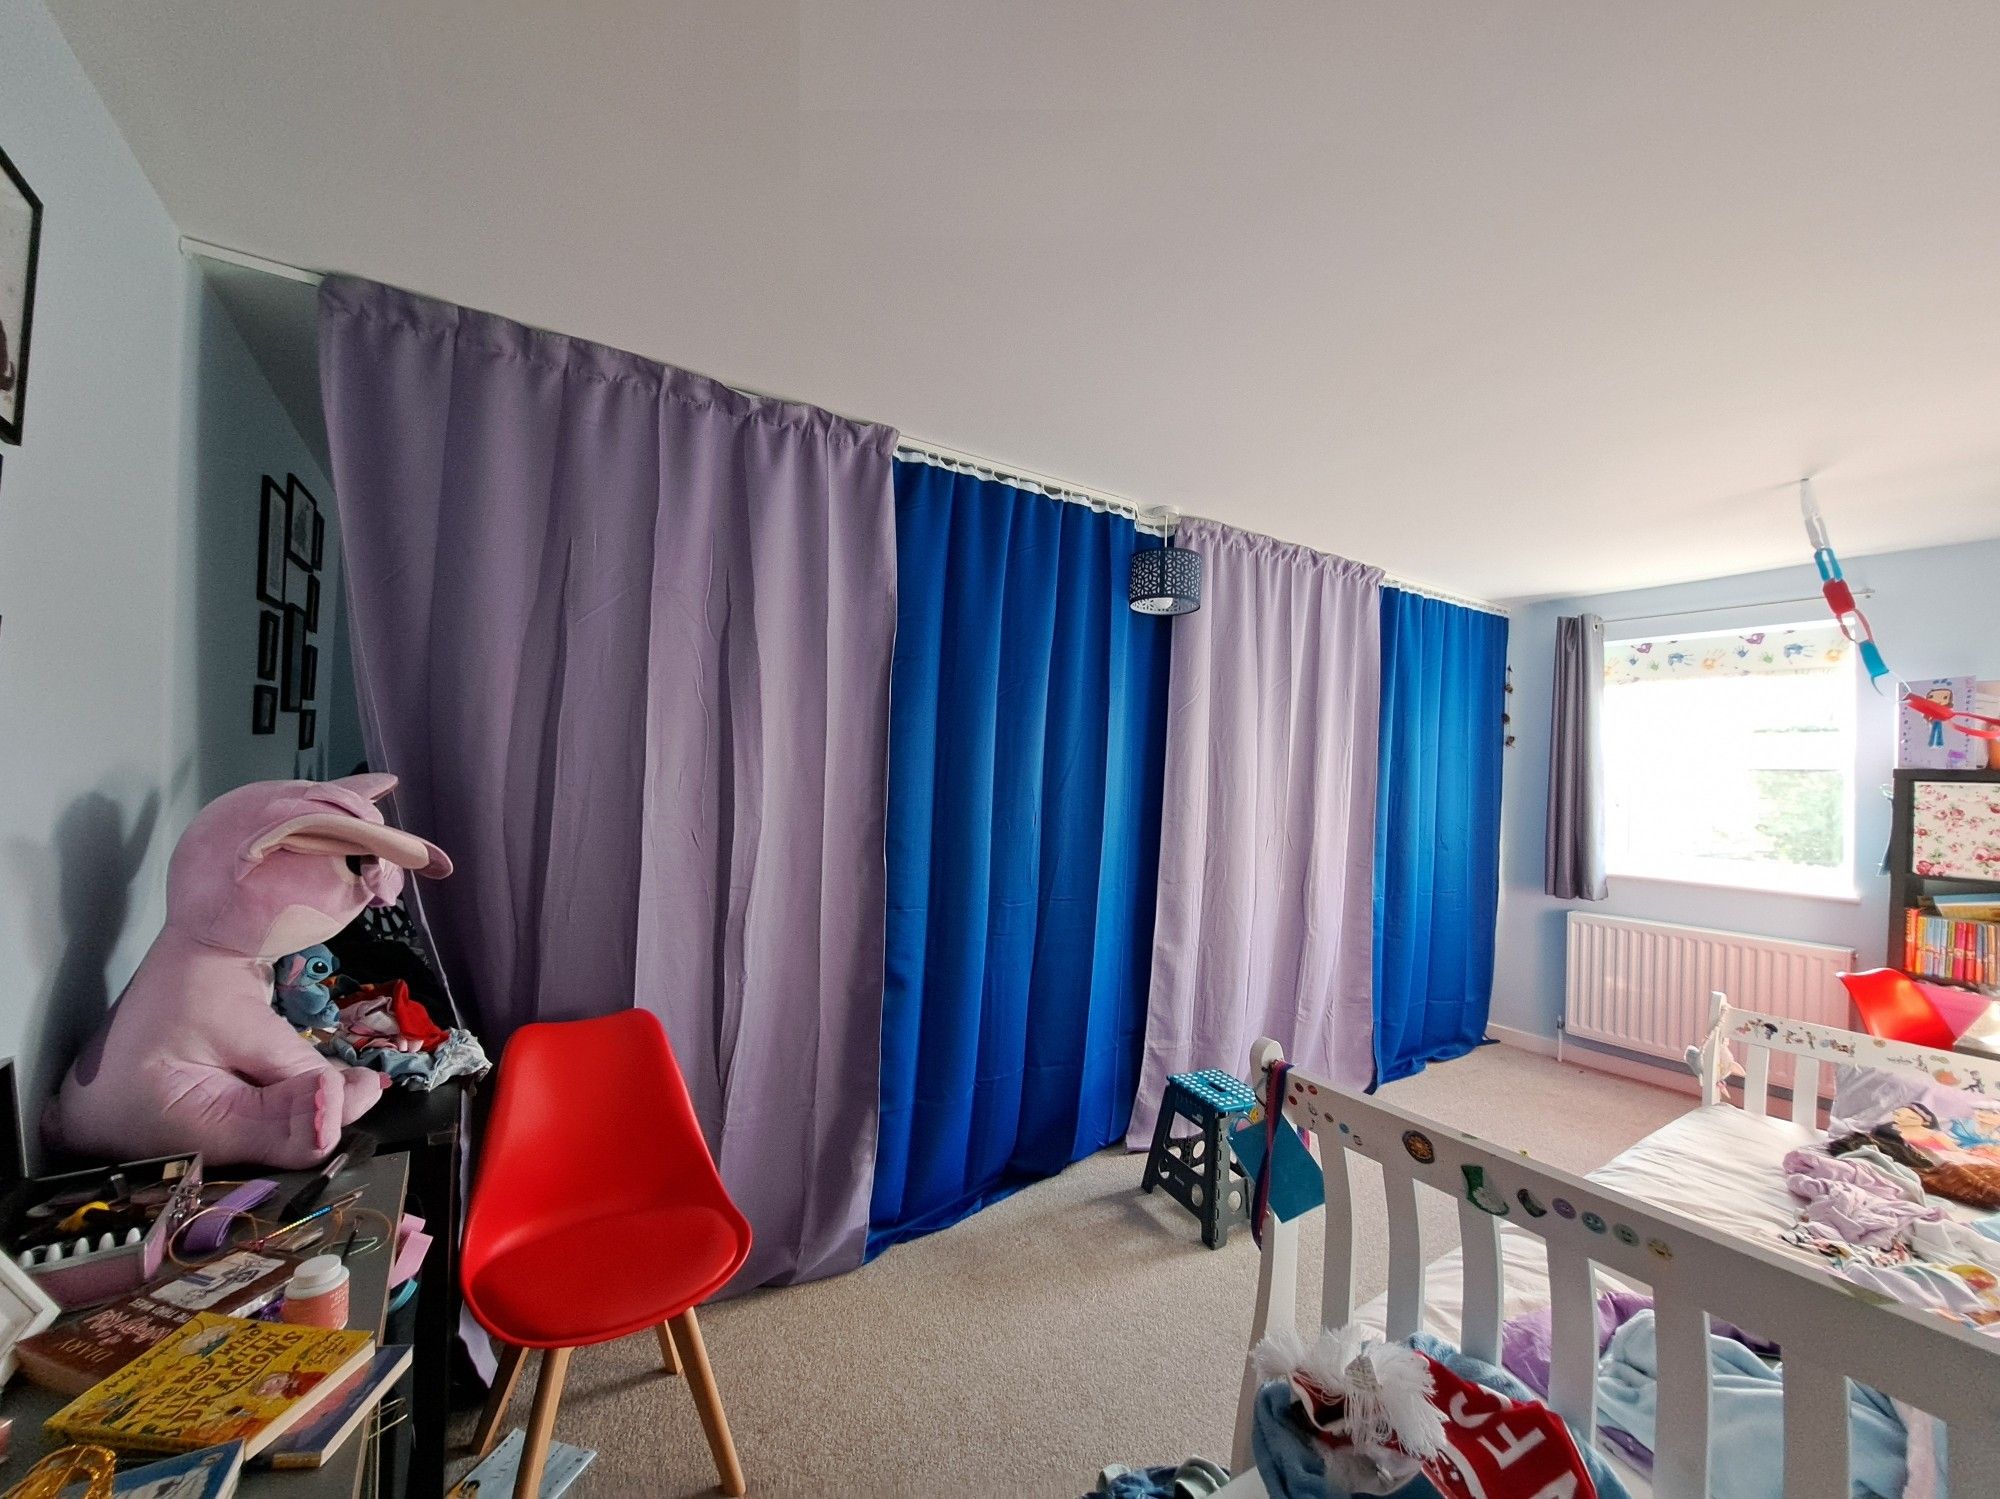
[[1731, 761]]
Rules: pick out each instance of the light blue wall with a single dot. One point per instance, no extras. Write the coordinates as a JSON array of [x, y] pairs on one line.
[[1936, 612], [128, 537]]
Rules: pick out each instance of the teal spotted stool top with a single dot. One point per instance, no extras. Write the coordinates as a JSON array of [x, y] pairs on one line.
[[1218, 1089], [1195, 1167]]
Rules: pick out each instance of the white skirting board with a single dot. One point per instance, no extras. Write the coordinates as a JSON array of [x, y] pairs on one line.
[[1586, 1054]]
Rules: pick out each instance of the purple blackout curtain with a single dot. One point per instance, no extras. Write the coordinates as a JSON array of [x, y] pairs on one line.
[[625, 634], [1267, 828]]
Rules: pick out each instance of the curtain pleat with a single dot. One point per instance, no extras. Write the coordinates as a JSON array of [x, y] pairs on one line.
[[1437, 829], [1573, 842], [625, 634], [1026, 738], [1267, 842]]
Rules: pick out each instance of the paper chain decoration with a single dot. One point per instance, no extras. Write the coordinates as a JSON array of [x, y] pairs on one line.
[[1854, 625]]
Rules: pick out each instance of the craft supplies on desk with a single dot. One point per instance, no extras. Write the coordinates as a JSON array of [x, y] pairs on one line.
[[317, 1294], [85, 1236], [412, 1244]]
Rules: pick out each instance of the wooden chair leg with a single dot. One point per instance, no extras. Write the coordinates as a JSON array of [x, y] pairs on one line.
[[504, 1379], [541, 1424], [707, 1401], [667, 1354]]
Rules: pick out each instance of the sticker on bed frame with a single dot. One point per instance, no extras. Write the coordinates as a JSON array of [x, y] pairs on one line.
[[1564, 1208], [1660, 1248], [1482, 1196], [1594, 1222], [1529, 1204], [1418, 1144], [1625, 1233]]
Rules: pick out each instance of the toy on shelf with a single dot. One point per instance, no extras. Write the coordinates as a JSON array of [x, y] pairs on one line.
[[379, 1026], [193, 1056], [302, 989], [1854, 625]]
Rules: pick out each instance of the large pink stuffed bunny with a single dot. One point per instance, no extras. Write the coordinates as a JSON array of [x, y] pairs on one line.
[[193, 1057]]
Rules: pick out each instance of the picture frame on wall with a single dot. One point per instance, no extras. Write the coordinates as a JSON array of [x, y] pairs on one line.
[[303, 516], [267, 645], [309, 678], [271, 528], [319, 539], [20, 254], [308, 728], [263, 709], [291, 683], [312, 603]]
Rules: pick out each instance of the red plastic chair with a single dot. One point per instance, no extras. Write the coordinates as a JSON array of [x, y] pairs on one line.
[[598, 1214], [1894, 1007]]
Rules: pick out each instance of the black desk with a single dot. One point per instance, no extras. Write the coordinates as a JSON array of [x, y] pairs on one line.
[[351, 1472], [428, 1127]]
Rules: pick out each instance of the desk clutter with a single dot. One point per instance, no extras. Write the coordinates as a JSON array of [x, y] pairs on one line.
[[234, 1354]]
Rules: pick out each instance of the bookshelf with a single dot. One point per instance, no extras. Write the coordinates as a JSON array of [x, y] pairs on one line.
[[1909, 889]]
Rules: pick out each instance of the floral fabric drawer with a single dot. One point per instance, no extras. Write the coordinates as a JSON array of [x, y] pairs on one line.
[[1956, 833]]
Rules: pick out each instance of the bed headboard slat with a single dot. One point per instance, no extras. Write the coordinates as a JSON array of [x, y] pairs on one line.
[[1680, 1446], [1479, 1232], [1573, 1338], [1336, 1296], [1816, 1431], [1805, 1089], [1404, 1316], [1757, 1082]]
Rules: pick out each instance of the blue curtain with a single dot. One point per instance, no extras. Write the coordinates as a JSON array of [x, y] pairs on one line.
[[1027, 738], [1437, 829]]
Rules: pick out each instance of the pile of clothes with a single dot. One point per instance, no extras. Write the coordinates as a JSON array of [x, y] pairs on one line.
[[379, 1025], [1871, 1204]]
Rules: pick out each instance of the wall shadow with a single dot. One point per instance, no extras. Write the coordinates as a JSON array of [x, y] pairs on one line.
[[84, 877]]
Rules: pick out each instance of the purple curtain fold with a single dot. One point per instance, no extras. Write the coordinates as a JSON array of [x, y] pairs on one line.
[[625, 634], [1267, 828]]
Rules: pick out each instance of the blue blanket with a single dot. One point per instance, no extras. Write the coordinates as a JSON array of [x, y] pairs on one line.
[[1746, 1428]]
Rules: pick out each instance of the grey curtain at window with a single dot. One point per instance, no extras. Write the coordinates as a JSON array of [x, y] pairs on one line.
[[1575, 840]]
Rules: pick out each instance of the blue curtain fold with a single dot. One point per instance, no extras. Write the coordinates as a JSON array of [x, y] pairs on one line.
[[1437, 829], [1027, 734]]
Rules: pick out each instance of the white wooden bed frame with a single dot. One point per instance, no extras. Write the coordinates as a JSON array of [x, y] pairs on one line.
[[1828, 1332]]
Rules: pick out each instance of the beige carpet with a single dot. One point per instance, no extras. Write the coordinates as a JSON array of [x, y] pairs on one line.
[[1076, 1324]]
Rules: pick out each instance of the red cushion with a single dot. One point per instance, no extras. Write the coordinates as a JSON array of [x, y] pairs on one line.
[[598, 1279]]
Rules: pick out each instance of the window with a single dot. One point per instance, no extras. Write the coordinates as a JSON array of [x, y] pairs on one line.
[[1729, 759]]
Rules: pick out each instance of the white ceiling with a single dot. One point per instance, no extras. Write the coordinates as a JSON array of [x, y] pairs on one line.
[[1518, 297]]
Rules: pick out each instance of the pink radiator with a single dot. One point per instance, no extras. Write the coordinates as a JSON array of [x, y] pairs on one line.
[[1644, 985]]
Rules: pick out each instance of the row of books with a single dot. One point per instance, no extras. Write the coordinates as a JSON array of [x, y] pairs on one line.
[[184, 1366], [1948, 947]]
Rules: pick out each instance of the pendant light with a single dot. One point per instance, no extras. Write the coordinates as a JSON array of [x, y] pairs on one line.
[[1166, 579]]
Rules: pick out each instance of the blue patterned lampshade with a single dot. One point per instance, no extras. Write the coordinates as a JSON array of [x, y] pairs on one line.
[[1165, 578]]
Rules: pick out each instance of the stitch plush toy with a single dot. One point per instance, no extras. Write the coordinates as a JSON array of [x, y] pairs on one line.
[[193, 1056], [303, 995]]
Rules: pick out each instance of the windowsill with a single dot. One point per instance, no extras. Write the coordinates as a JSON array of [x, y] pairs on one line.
[[1846, 897]]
